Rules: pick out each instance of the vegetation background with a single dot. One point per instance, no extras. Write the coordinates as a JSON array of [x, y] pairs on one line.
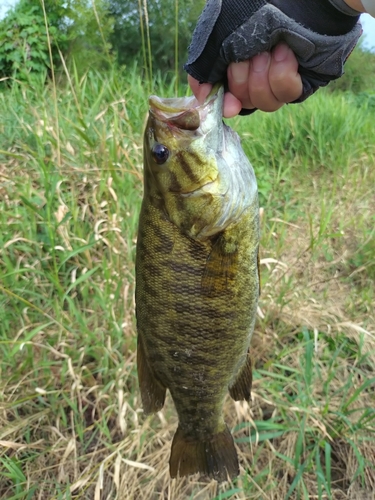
[[74, 81]]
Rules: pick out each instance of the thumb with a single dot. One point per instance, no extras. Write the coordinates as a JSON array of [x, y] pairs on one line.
[[200, 90]]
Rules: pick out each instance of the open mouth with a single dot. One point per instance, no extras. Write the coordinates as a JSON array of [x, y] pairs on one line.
[[185, 117], [184, 113]]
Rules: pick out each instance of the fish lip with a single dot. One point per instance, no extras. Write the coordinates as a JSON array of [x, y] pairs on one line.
[[187, 194], [165, 108], [184, 113]]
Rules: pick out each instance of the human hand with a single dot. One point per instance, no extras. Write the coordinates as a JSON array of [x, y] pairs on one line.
[[256, 32], [266, 82]]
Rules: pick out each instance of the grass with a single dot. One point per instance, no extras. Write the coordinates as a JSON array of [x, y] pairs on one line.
[[71, 423]]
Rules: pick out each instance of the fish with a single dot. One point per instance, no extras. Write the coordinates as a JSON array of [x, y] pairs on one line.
[[197, 277]]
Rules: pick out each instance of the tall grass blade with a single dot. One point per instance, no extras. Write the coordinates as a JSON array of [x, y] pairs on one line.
[[298, 477], [78, 281], [52, 67], [143, 38], [228, 494], [149, 51], [176, 47]]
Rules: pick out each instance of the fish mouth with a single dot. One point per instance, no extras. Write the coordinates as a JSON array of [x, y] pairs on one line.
[[185, 113]]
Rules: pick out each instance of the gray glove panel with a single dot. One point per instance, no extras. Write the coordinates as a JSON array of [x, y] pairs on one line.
[[322, 54]]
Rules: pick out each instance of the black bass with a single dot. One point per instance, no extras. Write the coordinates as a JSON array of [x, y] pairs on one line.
[[197, 277]]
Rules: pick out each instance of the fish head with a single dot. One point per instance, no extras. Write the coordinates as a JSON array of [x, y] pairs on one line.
[[181, 145]]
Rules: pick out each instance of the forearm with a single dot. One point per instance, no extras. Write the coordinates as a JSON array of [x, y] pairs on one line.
[[362, 6], [355, 4]]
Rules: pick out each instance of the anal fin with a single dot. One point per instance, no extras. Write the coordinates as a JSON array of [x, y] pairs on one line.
[[258, 266], [152, 391], [215, 456], [241, 388]]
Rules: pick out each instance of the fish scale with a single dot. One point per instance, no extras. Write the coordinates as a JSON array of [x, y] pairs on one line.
[[197, 279]]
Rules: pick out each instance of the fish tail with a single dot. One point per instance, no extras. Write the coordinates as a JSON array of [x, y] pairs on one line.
[[215, 457]]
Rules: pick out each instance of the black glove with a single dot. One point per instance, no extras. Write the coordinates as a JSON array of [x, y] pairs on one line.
[[321, 36]]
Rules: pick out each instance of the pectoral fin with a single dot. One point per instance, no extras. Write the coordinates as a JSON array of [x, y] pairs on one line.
[[221, 267], [152, 391]]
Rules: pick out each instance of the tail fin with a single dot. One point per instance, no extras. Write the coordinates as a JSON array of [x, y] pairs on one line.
[[215, 457]]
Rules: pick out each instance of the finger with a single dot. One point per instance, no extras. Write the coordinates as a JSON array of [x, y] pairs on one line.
[[200, 90], [260, 91], [232, 106], [238, 77], [284, 79]]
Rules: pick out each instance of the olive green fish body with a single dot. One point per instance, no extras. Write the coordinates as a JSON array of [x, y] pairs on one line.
[[197, 282]]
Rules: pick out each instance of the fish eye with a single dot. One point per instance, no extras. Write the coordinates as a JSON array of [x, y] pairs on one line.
[[160, 153]]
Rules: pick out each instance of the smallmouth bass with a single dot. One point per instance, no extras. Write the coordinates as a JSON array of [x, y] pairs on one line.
[[197, 277]]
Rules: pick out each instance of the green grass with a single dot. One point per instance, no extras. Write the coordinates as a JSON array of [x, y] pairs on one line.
[[71, 424]]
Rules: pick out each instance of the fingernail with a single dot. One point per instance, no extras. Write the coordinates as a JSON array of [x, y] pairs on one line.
[[280, 52], [240, 72], [260, 62]]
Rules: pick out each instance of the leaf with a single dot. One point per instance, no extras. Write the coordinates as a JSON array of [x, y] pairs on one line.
[[296, 480], [80, 280], [32, 206], [261, 436], [76, 251], [84, 136], [228, 494], [366, 384], [29, 336]]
